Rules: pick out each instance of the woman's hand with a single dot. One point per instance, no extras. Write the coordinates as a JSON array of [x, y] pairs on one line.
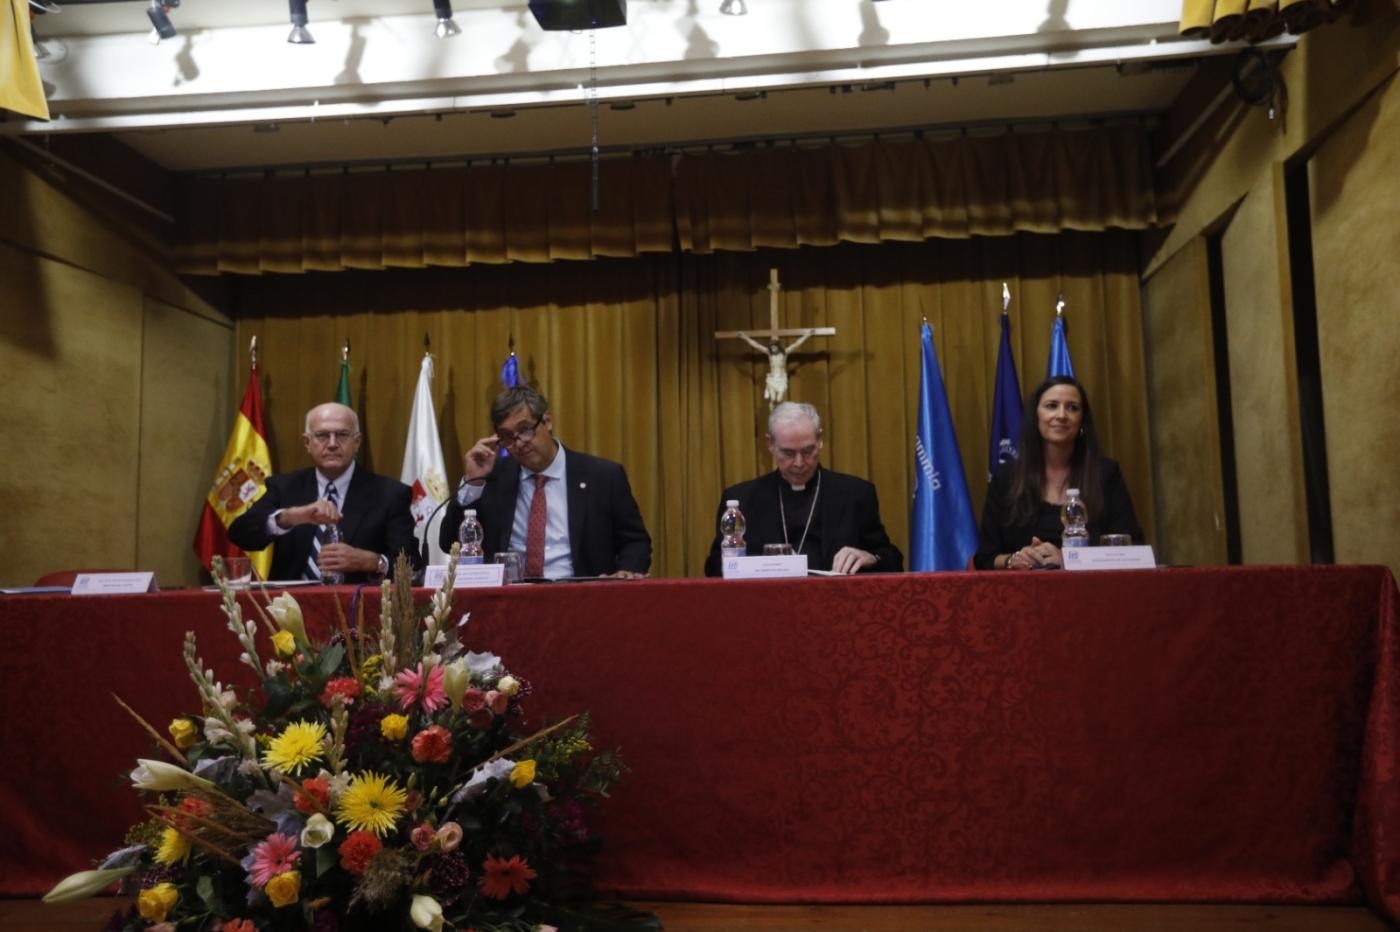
[[1037, 553]]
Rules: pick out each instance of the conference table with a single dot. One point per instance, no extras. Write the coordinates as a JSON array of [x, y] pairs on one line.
[[1213, 734]]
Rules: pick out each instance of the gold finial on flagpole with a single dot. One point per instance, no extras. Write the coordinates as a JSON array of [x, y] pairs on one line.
[[1060, 305], [253, 350], [427, 344], [345, 351], [1005, 297]]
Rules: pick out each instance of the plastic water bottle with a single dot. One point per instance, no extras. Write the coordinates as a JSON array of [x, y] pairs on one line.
[[471, 535], [1075, 517], [731, 531], [332, 537]]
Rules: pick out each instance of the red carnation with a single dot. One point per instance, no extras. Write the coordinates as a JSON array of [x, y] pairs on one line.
[[432, 745], [193, 806], [314, 795], [346, 687], [358, 850]]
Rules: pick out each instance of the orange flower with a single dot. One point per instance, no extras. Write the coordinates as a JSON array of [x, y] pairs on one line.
[[314, 795], [503, 877], [239, 925], [432, 745]]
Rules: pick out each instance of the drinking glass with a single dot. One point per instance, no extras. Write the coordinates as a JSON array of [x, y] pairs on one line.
[[514, 562], [239, 572], [777, 550], [1115, 540]]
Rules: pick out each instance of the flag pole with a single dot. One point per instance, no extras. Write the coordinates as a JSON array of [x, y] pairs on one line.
[[253, 350], [1005, 297]]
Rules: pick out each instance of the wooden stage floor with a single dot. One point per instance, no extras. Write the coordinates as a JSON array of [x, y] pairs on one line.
[[90, 915]]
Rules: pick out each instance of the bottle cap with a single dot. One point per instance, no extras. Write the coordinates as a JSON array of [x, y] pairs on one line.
[[471, 513], [1074, 492], [732, 503]]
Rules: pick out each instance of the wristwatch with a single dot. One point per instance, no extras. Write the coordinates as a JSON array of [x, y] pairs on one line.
[[383, 565]]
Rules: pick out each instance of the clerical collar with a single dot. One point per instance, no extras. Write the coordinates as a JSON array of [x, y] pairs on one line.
[[798, 488]]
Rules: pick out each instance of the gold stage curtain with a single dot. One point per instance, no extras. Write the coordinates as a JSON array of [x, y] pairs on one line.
[[412, 218], [907, 191], [21, 90], [1255, 20], [773, 196], [625, 351]]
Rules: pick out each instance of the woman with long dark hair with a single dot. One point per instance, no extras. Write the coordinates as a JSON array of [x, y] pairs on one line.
[[1058, 451]]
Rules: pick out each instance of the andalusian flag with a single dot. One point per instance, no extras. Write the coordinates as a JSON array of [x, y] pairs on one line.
[[240, 481], [21, 89]]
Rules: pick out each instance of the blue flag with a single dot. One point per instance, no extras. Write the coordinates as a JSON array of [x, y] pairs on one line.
[[943, 532], [1006, 404], [510, 372], [1059, 363]]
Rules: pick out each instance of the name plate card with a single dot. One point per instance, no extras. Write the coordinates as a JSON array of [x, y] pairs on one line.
[[469, 575], [114, 583], [1138, 557], [775, 567]]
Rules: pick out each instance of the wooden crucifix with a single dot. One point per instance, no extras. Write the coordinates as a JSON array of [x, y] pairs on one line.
[[775, 389]]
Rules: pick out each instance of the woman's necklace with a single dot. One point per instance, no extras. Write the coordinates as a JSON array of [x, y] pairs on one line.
[[782, 513]]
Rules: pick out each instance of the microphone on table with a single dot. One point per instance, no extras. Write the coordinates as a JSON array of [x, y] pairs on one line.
[[428, 525]]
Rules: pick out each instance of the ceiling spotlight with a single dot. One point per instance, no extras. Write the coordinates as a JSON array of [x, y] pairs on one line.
[[734, 8], [159, 14], [44, 6], [446, 25], [299, 35]]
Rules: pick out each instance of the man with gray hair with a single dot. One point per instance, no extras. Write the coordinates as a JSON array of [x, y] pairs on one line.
[[371, 511], [831, 517]]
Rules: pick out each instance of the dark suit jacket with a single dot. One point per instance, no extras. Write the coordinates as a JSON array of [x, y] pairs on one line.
[[850, 517], [376, 517], [606, 533]]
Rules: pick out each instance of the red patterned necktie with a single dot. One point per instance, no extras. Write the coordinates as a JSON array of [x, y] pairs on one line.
[[534, 535]]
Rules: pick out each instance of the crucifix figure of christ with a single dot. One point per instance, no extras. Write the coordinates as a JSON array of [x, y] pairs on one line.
[[775, 388]]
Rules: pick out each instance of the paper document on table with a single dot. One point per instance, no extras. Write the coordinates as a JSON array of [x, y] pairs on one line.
[[812, 572]]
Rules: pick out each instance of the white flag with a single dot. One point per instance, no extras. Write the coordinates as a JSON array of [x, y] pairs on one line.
[[423, 467]]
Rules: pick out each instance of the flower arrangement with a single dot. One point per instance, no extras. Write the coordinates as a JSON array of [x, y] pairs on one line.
[[376, 780]]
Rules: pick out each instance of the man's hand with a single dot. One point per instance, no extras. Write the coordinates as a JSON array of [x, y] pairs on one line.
[[342, 558], [318, 512], [852, 560], [627, 574], [478, 462]]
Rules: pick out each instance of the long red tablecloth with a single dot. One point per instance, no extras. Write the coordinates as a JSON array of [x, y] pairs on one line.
[[1209, 734]]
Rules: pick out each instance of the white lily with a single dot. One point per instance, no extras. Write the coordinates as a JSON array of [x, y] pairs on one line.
[[287, 613], [84, 884], [161, 777], [426, 913]]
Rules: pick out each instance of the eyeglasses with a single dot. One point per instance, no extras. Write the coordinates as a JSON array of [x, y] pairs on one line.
[[323, 437], [509, 439], [806, 453]]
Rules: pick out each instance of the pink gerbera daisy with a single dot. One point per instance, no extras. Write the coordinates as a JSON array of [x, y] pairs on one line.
[[408, 682], [276, 855]]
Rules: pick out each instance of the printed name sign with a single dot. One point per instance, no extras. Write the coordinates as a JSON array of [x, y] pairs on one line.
[[775, 567], [114, 583], [1109, 558], [469, 575]]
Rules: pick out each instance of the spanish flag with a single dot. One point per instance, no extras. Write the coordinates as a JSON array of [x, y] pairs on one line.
[[21, 90], [241, 480]]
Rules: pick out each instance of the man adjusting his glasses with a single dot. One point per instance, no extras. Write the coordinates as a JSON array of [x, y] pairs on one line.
[[831, 517], [370, 512], [571, 514]]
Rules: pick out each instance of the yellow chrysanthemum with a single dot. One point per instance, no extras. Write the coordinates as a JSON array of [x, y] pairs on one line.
[[174, 847], [371, 803], [394, 727], [296, 747]]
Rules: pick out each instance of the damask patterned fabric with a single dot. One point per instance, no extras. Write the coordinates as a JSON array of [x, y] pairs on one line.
[[1227, 735]]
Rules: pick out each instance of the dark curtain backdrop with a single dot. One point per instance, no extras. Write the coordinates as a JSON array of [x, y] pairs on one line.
[[986, 184], [625, 351]]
